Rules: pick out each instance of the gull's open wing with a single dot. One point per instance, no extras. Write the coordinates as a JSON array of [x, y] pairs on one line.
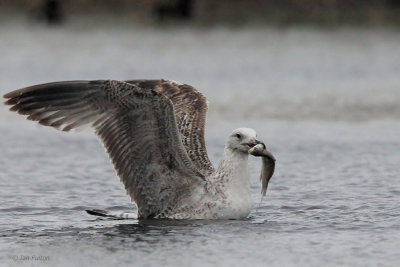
[[138, 129]]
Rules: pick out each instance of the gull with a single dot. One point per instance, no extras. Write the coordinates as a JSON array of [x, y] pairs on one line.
[[153, 132]]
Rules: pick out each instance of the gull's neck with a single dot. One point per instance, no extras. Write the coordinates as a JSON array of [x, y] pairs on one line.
[[232, 171], [233, 183]]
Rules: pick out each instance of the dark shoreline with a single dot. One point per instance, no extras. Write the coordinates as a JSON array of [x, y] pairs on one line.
[[326, 13]]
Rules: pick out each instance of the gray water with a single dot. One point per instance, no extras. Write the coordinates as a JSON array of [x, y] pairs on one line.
[[326, 103]]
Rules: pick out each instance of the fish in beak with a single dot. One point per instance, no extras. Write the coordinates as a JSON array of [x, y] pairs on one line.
[[268, 164]]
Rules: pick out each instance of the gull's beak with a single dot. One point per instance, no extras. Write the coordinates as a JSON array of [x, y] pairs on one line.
[[259, 142], [259, 150], [253, 144]]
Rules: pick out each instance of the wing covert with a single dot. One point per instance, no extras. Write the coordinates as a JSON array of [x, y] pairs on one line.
[[190, 107]]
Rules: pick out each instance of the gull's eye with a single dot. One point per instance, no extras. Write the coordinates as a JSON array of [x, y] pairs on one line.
[[238, 136]]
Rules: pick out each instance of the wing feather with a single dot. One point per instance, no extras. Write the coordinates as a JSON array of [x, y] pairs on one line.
[[137, 127], [190, 112]]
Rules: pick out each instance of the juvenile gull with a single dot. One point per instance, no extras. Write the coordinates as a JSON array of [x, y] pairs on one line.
[[153, 131]]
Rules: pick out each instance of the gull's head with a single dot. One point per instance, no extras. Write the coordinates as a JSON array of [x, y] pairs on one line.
[[242, 140]]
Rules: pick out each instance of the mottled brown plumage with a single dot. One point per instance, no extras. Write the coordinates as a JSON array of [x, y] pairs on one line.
[[190, 112], [134, 120]]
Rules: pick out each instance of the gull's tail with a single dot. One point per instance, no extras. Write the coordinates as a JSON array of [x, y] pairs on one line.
[[115, 215]]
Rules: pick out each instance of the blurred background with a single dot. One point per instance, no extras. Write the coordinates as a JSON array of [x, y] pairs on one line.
[[208, 12], [292, 59]]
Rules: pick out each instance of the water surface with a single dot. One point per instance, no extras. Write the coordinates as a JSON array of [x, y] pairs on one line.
[[324, 102]]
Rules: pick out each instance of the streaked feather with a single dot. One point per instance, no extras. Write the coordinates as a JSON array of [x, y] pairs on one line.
[[137, 127], [190, 109]]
